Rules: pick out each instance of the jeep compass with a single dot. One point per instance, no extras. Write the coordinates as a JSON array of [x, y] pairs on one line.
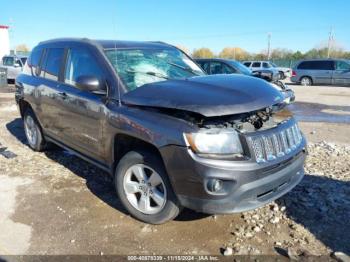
[[170, 135]]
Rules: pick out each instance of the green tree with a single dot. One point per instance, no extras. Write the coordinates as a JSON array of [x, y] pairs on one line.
[[22, 48], [202, 53], [297, 55], [236, 53], [281, 53]]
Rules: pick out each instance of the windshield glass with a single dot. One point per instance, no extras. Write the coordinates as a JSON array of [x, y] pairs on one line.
[[137, 67], [273, 64], [245, 70], [8, 61]]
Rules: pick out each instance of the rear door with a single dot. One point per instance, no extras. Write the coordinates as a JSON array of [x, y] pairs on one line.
[[322, 71], [341, 75], [48, 93]]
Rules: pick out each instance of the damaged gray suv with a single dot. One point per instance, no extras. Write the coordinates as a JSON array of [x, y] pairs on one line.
[[170, 136]]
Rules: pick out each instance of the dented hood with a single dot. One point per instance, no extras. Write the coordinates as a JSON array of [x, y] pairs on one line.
[[212, 95]]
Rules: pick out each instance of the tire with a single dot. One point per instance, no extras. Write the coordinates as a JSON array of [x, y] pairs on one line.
[[133, 186], [306, 81], [33, 131], [281, 75]]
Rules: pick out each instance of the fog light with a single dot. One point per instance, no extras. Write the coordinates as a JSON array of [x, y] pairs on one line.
[[214, 185]]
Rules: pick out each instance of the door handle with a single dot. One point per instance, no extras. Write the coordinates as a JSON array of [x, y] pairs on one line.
[[62, 94]]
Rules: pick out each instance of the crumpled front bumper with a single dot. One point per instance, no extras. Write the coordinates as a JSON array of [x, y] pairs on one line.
[[247, 185]]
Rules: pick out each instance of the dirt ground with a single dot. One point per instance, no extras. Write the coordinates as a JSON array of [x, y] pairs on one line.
[[55, 203]]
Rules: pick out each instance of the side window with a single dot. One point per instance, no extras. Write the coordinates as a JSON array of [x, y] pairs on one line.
[[23, 60], [219, 68], [266, 65], [52, 63], [324, 65], [247, 64], [302, 65], [306, 65], [256, 64], [8, 61], [34, 60], [341, 65], [80, 62], [206, 67]]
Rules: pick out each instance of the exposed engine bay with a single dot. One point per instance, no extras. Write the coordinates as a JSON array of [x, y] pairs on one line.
[[266, 118]]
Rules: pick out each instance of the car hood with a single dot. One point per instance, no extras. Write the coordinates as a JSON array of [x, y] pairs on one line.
[[212, 95]]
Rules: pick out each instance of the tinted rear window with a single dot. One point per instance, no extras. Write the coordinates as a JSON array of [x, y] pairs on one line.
[[317, 65], [52, 64]]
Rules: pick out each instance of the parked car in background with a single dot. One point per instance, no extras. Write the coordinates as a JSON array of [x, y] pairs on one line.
[[14, 65], [283, 72], [213, 66], [170, 135], [322, 71]]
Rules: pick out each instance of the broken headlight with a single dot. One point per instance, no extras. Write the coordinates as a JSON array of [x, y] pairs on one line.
[[215, 143]]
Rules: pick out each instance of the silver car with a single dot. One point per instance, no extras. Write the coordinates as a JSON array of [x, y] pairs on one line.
[[322, 71], [14, 65], [283, 72]]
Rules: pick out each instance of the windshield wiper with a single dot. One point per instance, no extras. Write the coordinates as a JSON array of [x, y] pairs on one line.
[[187, 69], [148, 73]]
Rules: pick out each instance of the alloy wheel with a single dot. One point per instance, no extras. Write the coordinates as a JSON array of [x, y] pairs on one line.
[[144, 189], [30, 130]]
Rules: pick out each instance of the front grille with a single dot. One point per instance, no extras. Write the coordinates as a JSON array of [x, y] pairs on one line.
[[269, 146]]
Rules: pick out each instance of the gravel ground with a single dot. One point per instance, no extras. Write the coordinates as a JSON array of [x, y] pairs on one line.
[[55, 203]]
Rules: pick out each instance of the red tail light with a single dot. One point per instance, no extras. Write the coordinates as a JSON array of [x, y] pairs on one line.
[[294, 73]]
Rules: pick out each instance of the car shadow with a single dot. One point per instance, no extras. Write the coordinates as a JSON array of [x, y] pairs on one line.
[[322, 206], [99, 182]]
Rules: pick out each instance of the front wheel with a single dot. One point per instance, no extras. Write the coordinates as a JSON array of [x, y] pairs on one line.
[[144, 188], [306, 81]]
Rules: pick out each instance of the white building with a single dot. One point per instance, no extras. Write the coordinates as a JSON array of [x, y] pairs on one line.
[[4, 41]]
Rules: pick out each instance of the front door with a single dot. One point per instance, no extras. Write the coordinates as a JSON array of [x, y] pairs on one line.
[[83, 113]]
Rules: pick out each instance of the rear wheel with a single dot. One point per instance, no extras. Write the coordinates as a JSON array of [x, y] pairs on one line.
[[144, 188], [306, 81], [33, 131]]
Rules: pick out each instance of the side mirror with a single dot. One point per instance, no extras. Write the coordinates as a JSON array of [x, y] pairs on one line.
[[17, 64], [91, 84]]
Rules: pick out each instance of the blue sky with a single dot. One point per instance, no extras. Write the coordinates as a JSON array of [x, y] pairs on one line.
[[296, 25]]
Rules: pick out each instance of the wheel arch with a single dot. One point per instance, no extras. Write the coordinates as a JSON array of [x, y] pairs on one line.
[[23, 106], [124, 143], [308, 76]]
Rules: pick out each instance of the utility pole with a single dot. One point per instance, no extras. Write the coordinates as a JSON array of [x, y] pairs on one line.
[[268, 45], [330, 39]]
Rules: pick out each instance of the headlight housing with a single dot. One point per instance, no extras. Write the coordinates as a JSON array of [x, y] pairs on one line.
[[215, 142]]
